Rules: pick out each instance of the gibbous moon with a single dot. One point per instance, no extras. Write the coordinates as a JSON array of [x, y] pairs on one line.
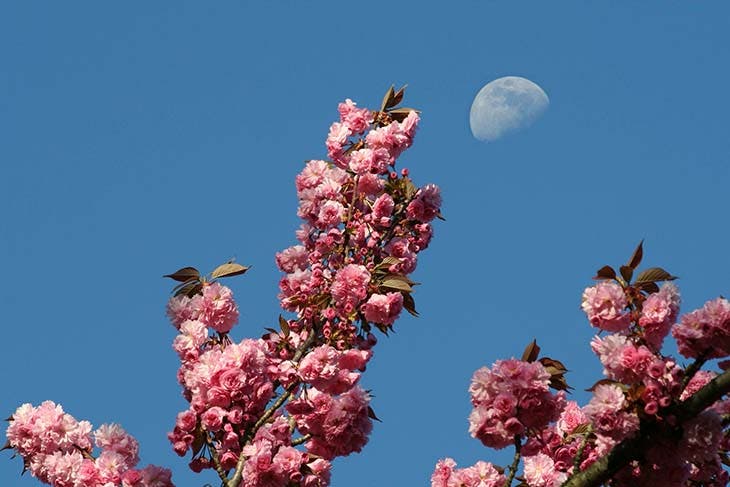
[[506, 105]]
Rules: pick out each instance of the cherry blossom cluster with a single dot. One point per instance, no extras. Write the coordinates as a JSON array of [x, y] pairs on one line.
[[253, 402], [644, 394], [275, 411], [59, 451]]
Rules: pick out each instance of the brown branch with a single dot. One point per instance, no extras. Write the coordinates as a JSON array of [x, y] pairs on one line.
[[515, 462], [630, 449], [216, 461], [238, 473], [301, 439]]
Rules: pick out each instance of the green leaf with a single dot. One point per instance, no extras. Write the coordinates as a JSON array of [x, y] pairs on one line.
[[185, 274], [654, 274], [531, 352], [636, 257], [229, 269], [605, 272]]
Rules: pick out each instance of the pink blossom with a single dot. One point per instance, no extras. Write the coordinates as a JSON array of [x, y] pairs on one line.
[[330, 214], [382, 210], [112, 437], [426, 205], [383, 308], [356, 119], [571, 417], [349, 286], [293, 258], [540, 472], [338, 425], [370, 184], [605, 304], [179, 310], [217, 309], [705, 331]]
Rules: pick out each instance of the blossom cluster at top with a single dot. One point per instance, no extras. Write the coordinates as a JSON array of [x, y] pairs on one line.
[[275, 411], [363, 227], [557, 438]]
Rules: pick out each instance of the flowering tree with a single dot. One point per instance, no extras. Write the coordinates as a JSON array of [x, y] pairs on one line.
[[276, 411], [649, 422]]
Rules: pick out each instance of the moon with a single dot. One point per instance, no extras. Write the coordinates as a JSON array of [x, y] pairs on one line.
[[504, 106]]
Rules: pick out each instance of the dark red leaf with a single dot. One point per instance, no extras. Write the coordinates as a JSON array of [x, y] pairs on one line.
[[185, 274], [636, 257], [605, 272]]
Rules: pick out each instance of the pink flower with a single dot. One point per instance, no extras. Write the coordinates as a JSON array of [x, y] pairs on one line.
[[383, 308], [293, 258], [212, 418], [540, 472], [338, 425], [356, 119], [571, 417], [426, 205], [217, 309], [705, 331], [349, 286], [112, 437], [382, 210], [605, 304], [330, 215]]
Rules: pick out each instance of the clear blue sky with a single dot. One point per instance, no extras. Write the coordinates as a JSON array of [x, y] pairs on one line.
[[138, 137]]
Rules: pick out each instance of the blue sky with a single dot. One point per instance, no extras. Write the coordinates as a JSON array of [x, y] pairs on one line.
[[139, 137]]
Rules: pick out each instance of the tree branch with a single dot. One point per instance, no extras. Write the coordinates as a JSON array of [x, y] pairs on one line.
[[631, 448]]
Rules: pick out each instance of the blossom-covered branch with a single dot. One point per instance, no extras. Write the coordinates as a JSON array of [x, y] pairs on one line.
[[276, 411], [649, 422]]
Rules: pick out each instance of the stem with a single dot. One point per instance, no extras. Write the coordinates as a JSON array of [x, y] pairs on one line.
[[692, 369], [301, 440], [579, 454], [515, 462], [238, 474], [216, 460]]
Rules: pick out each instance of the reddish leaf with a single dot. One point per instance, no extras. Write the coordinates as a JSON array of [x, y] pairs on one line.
[[229, 269], [371, 414], [400, 283], [284, 325], [531, 352], [626, 272], [603, 381], [636, 257], [654, 274], [185, 274], [649, 287], [386, 99], [397, 98], [409, 304], [605, 272]]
